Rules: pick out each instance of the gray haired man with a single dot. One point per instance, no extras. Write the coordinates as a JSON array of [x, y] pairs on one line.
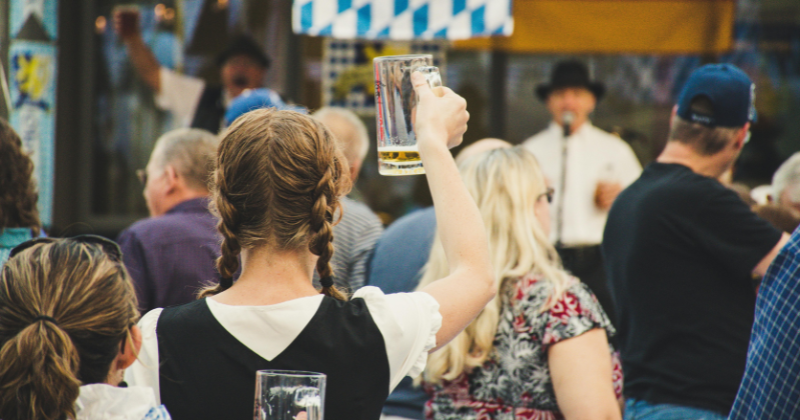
[[355, 236], [786, 183], [172, 253]]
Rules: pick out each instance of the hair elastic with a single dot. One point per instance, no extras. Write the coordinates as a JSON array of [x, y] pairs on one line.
[[326, 281], [45, 318]]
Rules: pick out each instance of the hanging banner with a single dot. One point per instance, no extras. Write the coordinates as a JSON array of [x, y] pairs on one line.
[[33, 19], [347, 72], [33, 100], [402, 19], [617, 26]]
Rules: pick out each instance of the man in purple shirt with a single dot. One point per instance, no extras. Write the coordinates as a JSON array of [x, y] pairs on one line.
[[171, 254]]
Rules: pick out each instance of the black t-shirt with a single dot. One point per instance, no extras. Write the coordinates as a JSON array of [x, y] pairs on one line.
[[679, 250]]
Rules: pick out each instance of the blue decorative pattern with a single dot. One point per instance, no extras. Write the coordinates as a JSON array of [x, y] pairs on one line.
[[157, 413], [402, 19], [347, 70], [771, 385]]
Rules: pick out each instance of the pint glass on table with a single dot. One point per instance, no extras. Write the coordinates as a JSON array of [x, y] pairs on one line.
[[289, 395], [396, 103]]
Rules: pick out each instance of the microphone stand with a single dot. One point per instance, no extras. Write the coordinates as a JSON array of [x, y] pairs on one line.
[[566, 123]]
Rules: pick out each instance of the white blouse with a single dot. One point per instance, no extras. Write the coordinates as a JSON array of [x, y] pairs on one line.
[[408, 323], [106, 402]]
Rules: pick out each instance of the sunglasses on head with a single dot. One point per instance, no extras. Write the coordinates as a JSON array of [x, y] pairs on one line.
[[108, 246]]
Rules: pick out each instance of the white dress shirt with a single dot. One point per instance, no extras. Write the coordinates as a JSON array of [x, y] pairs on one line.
[[592, 156], [180, 94]]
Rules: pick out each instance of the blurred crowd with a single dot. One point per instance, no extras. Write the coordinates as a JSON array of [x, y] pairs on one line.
[[556, 279]]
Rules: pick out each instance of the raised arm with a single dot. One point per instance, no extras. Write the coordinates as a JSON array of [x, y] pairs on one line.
[[441, 122], [145, 63]]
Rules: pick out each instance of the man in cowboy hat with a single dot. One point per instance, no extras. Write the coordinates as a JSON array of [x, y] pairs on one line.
[[192, 102], [587, 167]]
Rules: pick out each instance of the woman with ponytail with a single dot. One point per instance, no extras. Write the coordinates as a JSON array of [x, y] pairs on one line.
[[276, 190], [67, 332]]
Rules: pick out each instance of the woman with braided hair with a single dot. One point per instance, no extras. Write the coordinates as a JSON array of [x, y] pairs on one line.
[[276, 189]]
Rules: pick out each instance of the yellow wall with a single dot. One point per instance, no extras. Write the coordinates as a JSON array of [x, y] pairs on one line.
[[616, 26]]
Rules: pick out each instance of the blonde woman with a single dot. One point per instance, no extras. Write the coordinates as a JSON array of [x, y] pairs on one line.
[[540, 349]]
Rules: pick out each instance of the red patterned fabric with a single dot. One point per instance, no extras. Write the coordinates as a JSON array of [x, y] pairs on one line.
[[514, 383]]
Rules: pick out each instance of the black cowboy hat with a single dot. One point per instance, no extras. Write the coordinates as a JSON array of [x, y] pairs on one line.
[[244, 45], [569, 74]]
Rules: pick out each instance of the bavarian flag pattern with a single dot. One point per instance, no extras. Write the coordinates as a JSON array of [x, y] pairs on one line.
[[402, 19]]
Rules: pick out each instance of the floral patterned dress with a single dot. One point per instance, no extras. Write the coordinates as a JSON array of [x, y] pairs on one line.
[[514, 383]]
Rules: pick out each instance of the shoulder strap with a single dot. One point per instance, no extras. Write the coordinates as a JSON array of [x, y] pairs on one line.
[[204, 372], [210, 110]]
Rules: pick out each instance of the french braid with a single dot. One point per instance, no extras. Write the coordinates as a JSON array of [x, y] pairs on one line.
[[322, 224], [278, 180]]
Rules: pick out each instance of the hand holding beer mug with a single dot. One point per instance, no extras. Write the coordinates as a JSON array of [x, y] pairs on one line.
[[440, 114], [126, 21], [396, 102]]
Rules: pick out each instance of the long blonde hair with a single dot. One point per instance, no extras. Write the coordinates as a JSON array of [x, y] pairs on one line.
[[505, 184]]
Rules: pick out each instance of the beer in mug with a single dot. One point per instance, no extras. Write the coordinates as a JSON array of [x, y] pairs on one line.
[[396, 103]]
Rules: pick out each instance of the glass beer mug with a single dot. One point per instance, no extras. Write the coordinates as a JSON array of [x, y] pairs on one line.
[[396, 103], [289, 395]]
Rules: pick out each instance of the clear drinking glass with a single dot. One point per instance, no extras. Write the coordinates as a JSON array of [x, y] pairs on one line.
[[289, 395], [396, 102]]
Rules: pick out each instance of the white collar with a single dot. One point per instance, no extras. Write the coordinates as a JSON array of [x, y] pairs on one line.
[[107, 402], [585, 127]]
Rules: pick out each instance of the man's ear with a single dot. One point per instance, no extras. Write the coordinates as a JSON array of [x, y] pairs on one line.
[[354, 170], [741, 137], [672, 116], [172, 178]]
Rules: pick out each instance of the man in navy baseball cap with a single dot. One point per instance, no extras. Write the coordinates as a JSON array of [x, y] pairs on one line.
[[728, 89], [681, 253]]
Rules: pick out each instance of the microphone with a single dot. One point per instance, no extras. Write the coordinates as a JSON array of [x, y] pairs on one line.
[[567, 118]]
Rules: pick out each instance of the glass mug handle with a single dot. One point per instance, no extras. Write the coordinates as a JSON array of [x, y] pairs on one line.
[[432, 75]]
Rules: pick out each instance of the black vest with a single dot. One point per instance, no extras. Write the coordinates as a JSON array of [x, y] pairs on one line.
[[206, 373], [210, 110]]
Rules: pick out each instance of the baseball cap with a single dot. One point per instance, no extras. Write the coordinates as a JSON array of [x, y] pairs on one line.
[[256, 99], [731, 92]]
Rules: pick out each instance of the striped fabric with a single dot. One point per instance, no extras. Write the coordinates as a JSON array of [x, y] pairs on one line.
[[354, 240], [770, 388], [403, 19]]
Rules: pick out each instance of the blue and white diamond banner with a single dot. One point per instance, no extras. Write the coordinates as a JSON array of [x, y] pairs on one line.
[[403, 19]]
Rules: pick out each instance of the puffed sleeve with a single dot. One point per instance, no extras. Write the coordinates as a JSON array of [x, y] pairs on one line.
[[576, 312], [409, 323], [144, 371]]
